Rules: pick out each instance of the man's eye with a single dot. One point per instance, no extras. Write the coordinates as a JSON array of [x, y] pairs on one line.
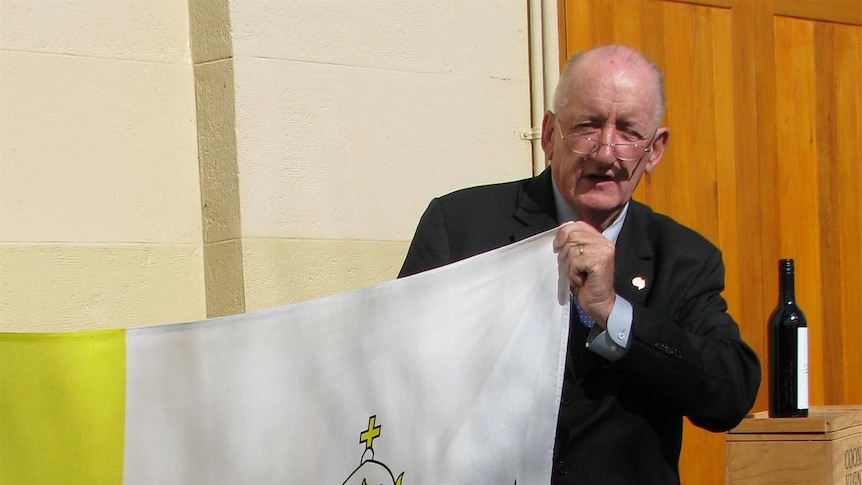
[[585, 130]]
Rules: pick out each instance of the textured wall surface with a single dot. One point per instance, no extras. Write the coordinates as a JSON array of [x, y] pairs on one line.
[[165, 161], [99, 199], [351, 116]]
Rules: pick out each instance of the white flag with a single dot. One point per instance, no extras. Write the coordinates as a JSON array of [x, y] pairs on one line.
[[452, 376]]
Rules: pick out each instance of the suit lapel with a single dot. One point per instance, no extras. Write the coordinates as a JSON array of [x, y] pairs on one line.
[[634, 262], [534, 209], [634, 266]]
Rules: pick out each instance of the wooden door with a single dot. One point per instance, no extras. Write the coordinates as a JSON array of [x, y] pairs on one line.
[[765, 160]]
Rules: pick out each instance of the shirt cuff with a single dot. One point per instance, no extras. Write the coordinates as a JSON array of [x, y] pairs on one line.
[[612, 343]]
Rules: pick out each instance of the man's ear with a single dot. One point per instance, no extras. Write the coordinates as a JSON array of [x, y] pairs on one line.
[[658, 146], [549, 124]]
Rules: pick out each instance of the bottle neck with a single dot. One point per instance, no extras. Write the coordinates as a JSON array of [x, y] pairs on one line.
[[786, 283]]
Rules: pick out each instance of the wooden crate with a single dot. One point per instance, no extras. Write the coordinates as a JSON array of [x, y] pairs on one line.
[[823, 449]]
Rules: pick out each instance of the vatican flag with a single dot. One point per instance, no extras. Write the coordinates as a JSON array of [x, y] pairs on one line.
[[452, 376]]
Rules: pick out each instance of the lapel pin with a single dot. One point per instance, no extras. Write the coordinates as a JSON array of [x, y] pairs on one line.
[[639, 282]]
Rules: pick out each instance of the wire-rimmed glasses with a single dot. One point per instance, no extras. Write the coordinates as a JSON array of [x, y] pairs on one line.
[[626, 152]]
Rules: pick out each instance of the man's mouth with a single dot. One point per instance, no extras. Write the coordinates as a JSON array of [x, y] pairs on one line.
[[596, 177]]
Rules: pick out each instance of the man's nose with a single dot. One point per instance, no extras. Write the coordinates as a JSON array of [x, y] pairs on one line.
[[604, 153]]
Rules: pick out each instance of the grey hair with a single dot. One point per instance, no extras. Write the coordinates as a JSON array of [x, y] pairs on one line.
[[560, 95]]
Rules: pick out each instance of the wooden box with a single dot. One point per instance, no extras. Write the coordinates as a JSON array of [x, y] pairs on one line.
[[824, 448]]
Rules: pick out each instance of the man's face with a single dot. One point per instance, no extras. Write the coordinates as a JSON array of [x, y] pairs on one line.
[[612, 100]]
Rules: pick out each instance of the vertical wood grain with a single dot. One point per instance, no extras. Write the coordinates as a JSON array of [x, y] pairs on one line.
[[798, 178], [837, 66], [824, 65], [725, 147], [755, 158]]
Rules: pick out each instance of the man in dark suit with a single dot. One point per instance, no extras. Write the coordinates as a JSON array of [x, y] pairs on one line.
[[651, 340]]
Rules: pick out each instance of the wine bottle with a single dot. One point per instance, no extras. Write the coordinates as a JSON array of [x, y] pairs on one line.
[[788, 350]]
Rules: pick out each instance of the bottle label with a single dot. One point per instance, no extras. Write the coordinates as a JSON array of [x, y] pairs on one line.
[[802, 368]]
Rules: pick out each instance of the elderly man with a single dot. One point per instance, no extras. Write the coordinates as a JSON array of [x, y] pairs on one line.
[[650, 340]]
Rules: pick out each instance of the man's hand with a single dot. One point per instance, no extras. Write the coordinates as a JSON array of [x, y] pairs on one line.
[[587, 257]]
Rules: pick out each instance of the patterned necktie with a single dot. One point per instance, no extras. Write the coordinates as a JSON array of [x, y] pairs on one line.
[[583, 316]]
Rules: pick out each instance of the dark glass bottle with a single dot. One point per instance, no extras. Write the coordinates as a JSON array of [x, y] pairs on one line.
[[788, 351]]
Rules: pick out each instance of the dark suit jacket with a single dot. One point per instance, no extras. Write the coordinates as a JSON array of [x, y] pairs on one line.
[[620, 422]]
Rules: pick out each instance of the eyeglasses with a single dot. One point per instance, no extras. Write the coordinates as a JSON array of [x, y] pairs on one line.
[[626, 152]]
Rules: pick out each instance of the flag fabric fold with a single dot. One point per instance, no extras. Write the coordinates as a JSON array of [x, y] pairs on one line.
[[452, 376]]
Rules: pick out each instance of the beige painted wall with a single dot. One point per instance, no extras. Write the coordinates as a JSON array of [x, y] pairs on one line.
[[314, 133], [99, 200], [352, 115]]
